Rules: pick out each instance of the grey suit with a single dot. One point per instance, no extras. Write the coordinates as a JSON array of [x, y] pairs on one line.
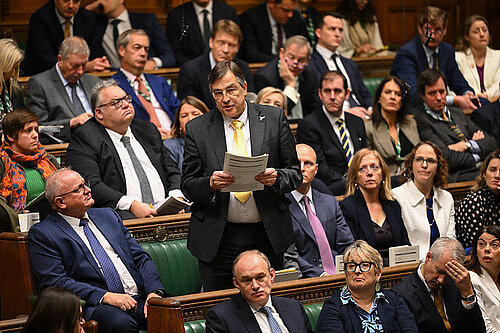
[[48, 99]]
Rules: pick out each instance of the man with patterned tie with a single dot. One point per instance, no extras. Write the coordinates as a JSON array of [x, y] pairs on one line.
[[320, 231], [439, 292], [152, 97], [89, 251], [334, 135], [224, 224], [254, 309], [463, 144]]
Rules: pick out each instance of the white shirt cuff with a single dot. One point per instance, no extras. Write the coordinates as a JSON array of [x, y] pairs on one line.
[[176, 193], [157, 61], [292, 93], [449, 99], [124, 203]]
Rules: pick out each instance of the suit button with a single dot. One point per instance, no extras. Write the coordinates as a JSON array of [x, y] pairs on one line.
[[315, 259]]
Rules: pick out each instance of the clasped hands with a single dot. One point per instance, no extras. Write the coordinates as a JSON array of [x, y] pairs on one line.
[[220, 179]]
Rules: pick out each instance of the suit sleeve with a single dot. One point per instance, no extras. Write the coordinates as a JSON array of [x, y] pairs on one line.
[[343, 235], [487, 144], [349, 211], [215, 323], [330, 319], [404, 66], [404, 317], [261, 81], [40, 43], [250, 45], [481, 119], [160, 46], [186, 83]]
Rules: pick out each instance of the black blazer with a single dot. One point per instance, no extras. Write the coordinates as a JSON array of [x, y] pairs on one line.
[[317, 131], [193, 79], [358, 218], [192, 45], [92, 153], [308, 85], [488, 119], [419, 301], [235, 315], [46, 35], [204, 151]]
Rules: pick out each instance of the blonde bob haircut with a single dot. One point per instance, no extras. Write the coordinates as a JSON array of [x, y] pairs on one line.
[[269, 91], [10, 59], [363, 250], [352, 174]]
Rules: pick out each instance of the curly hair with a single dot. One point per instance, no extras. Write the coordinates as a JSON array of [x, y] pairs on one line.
[[481, 180], [402, 115], [350, 11]]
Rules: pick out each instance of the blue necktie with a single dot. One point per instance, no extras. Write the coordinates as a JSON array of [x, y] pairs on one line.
[[275, 327], [108, 268], [344, 141]]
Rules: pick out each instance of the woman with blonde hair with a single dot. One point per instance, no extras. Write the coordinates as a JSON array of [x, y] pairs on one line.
[[272, 96], [11, 96], [369, 208]]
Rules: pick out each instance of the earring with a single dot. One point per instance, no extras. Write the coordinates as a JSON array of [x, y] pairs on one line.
[[377, 287]]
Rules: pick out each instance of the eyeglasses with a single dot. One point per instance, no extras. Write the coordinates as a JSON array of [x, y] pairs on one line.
[[495, 245], [291, 60], [364, 266], [117, 103], [429, 161], [231, 91], [78, 190], [374, 168]]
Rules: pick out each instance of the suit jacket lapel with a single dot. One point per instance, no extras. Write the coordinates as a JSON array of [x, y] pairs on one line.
[[257, 124], [364, 218], [412, 136], [319, 62], [215, 128], [287, 317], [87, 87], [107, 140], [245, 314], [384, 139], [195, 25], [326, 127], [61, 89], [300, 217], [424, 297]]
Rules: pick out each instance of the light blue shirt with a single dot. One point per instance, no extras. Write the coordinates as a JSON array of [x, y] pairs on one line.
[[79, 91]]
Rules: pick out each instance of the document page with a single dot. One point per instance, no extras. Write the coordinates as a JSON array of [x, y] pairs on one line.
[[244, 169]]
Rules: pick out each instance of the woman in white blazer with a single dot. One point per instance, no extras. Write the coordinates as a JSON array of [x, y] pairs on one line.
[[479, 64], [428, 210], [485, 271]]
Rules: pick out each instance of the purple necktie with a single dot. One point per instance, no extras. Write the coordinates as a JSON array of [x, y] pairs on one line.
[[319, 233]]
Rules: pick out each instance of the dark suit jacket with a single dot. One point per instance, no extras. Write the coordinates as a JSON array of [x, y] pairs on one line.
[[318, 64], [438, 132], [317, 131], [308, 85], [161, 89], [59, 257], [193, 79], [235, 315], [410, 61], [420, 303], [336, 229], [257, 33], [46, 97], [46, 35], [358, 218], [93, 154], [204, 153], [336, 317], [488, 119], [192, 45]]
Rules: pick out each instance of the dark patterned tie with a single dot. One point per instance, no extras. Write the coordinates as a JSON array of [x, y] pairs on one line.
[[77, 103], [435, 64], [454, 128], [344, 141], [206, 29], [279, 42], [275, 327]]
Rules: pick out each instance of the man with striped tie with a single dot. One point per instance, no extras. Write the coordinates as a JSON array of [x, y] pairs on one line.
[[334, 135]]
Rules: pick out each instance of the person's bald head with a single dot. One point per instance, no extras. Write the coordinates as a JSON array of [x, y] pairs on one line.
[[308, 166]]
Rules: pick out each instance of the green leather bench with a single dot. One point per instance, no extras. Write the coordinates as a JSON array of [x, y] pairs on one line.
[[372, 83]]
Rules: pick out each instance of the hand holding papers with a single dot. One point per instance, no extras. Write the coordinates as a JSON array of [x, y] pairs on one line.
[[244, 169]]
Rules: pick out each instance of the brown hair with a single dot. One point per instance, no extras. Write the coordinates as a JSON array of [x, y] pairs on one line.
[[440, 178], [463, 44], [13, 122], [176, 131], [352, 174], [480, 180], [474, 264], [222, 68], [331, 76], [228, 27], [427, 78], [432, 15], [402, 114]]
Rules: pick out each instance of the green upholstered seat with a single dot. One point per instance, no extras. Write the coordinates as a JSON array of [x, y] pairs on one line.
[[372, 83], [195, 326], [312, 311], [178, 268]]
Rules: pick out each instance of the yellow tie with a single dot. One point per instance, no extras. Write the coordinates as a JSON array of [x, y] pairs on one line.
[[239, 148], [438, 301], [67, 26]]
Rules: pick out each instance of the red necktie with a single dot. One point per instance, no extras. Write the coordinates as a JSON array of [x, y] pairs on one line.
[[146, 102]]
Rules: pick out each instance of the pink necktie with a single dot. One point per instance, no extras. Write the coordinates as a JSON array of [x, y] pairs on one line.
[[319, 233]]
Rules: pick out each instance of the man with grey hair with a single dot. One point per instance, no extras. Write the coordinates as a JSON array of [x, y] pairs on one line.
[[289, 73], [224, 224], [60, 96], [152, 97], [439, 292], [90, 252], [124, 159]]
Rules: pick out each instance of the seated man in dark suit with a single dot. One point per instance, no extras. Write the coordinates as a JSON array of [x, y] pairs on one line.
[[266, 28], [487, 118], [190, 25], [90, 252], [463, 144], [123, 158], [318, 225], [415, 57], [152, 97], [116, 19], [290, 74], [326, 58], [224, 45], [253, 309], [60, 96], [50, 25], [439, 292], [334, 135]]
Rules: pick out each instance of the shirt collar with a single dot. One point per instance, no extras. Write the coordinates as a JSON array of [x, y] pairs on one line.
[[212, 60], [428, 51], [243, 117], [123, 17], [345, 297], [333, 118], [437, 116], [116, 137], [256, 307], [62, 19], [198, 8], [272, 21], [421, 276], [74, 221], [298, 196], [132, 77], [324, 52], [63, 80]]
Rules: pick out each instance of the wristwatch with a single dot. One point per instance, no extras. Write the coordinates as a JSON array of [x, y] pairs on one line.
[[468, 145], [160, 293], [470, 298]]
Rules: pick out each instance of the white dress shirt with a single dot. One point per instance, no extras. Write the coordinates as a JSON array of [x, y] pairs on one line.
[[199, 15], [488, 298], [239, 212], [262, 318], [298, 197], [62, 21], [128, 282], [274, 33], [333, 122], [108, 42], [79, 91]]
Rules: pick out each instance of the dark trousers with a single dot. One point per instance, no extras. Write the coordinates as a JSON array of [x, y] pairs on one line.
[[237, 238], [114, 320]]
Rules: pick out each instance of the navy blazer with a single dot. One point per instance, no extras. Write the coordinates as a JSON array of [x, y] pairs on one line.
[[193, 79], [46, 35], [235, 315], [419, 301], [410, 61], [318, 64], [192, 45], [161, 89], [358, 218], [60, 257], [336, 229], [159, 46], [317, 131], [488, 119], [336, 317]]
